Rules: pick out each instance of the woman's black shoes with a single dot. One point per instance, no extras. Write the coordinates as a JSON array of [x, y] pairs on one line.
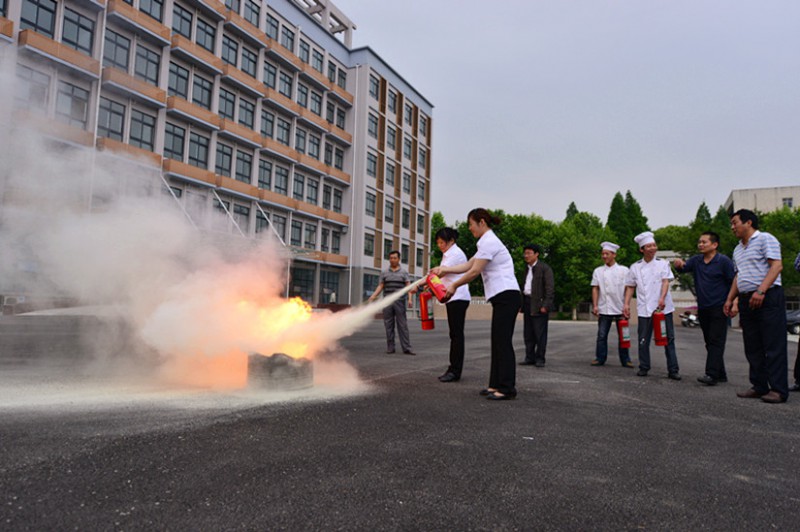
[[497, 396]]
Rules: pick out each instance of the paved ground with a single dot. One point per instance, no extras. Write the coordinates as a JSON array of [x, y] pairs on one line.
[[581, 448]]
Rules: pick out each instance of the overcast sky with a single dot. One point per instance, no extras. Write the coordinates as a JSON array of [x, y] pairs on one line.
[[539, 103]]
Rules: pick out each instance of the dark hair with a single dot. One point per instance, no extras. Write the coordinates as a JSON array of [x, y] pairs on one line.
[[394, 252], [714, 237], [447, 234], [482, 214], [536, 248], [747, 216]]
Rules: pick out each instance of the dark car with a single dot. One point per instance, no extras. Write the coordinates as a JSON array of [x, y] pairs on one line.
[[793, 321]]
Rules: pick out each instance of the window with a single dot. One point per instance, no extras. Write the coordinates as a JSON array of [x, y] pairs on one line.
[[420, 223], [423, 158], [298, 187], [312, 191], [330, 112], [282, 180], [297, 233], [116, 51], [264, 174], [331, 72], [302, 283], [198, 150], [249, 61], [423, 125], [283, 131], [341, 78], [247, 113], [182, 21], [407, 148], [224, 159], [310, 236], [389, 175], [230, 50], [147, 64], [788, 202], [407, 114], [241, 215], [78, 31], [316, 103], [336, 240], [326, 197], [328, 154], [270, 74], [39, 16], [387, 247], [369, 245], [302, 95], [206, 34], [287, 38], [313, 145], [404, 253], [272, 27], [316, 60], [406, 182], [178, 81], [173, 142], [267, 123], [369, 207], [152, 8], [388, 211], [233, 5], [143, 130], [340, 117], [406, 220], [421, 190], [72, 104], [252, 12], [285, 86], [338, 159], [305, 51], [337, 203], [110, 119], [374, 86], [419, 258], [372, 126], [279, 224], [391, 138], [372, 165], [323, 244], [244, 166], [392, 102], [261, 222], [201, 91], [32, 88], [300, 140], [227, 103]]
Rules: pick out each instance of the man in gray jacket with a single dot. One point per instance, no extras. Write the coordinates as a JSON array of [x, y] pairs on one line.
[[538, 291]]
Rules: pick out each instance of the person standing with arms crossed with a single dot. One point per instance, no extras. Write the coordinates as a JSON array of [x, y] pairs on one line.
[[452, 255], [608, 298], [650, 277], [762, 308], [493, 263], [538, 292], [393, 279], [713, 274]]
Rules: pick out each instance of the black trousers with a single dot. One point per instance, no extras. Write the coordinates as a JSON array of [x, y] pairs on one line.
[[714, 324], [797, 366], [764, 335], [503, 373], [456, 315], [534, 329]]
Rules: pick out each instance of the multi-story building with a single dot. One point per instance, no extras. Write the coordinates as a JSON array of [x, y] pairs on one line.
[[766, 199], [260, 109]]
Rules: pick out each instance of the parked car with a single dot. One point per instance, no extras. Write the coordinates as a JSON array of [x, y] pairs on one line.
[[793, 321]]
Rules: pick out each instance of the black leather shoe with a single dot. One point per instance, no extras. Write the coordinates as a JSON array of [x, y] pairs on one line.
[[539, 363], [409, 352], [641, 373], [674, 376], [795, 387], [497, 396], [390, 351], [596, 362], [707, 380], [448, 377], [526, 363], [487, 391]]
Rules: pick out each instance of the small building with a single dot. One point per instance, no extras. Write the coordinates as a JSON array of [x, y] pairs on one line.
[[765, 199]]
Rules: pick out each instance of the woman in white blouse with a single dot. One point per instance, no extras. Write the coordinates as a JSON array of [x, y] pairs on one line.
[[457, 305], [493, 262]]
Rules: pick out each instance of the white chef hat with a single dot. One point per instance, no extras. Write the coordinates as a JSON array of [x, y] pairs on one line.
[[642, 239], [609, 246]]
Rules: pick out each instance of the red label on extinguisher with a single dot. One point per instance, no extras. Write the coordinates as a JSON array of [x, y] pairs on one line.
[[624, 331], [660, 328], [436, 286]]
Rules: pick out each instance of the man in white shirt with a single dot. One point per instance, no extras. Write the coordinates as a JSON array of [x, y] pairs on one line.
[[608, 298], [650, 278]]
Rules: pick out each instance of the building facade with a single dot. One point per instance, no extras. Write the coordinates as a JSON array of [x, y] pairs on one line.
[[260, 110], [766, 199]]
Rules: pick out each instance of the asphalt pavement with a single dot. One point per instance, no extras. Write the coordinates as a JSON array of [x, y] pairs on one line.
[[580, 448]]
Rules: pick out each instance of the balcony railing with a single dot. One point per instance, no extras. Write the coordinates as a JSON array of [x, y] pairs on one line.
[[134, 86], [194, 51], [193, 112], [60, 53], [131, 16], [131, 152]]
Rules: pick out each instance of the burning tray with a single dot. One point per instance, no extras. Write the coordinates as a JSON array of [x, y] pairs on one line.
[[279, 372]]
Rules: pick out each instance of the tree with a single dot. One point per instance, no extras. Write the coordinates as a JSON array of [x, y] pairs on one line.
[[437, 222], [784, 224], [617, 222], [572, 210], [702, 220], [721, 224]]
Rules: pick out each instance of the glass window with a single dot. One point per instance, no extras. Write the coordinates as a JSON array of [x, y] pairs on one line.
[[153, 8], [337, 202], [282, 180], [178, 81], [298, 187], [423, 125], [224, 159], [227, 104], [147, 64], [32, 88], [72, 104], [244, 166], [264, 174], [328, 154], [279, 224], [336, 241], [300, 140], [270, 74], [407, 148], [369, 206], [310, 236], [316, 103], [242, 216], [421, 190], [285, 86], [374, 86], [302, 284], [143, 130], [182, 21], [206, 34], [173, 141], [419, 258], [404, 253], [340, 117], [305, 51], [230, 50], [110, 119], [408, 113], [39, 16], [370, 284], [249, 61], [392, 102], [338, 158], [325, 237], [326, 197], [369, 245], [247, 112], [78, 31], [233, 5], [272, 27], [261, 222], [201, 91], [267, 123], [252, 12], [198, 150], [420, 223], [372, 126], [406, 218], [287, 38], [312, 191], [302, 95], [283, 131], [297, 233], [314, 143], [331, 71], [423, 158], [389, 178], [330, 112], [391, 138], [341, 78], [317, 59], [116, 50], [388, 211], [372, 165], [387, 247], [406, 182]]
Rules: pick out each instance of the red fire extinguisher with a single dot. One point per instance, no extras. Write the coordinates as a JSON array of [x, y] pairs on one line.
[[436, 286], [624, 331], [426, 310], [660, 328]]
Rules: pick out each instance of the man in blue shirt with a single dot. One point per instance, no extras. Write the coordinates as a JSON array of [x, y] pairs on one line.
[[762, 306], [713, 274]]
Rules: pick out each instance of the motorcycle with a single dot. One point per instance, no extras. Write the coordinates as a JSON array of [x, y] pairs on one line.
[[689, 320]]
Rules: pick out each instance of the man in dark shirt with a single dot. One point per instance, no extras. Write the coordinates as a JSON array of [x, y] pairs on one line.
[[713, 274], [393, 279]]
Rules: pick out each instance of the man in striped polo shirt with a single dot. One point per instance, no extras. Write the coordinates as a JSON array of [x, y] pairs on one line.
[[762, 306], [393, 279]]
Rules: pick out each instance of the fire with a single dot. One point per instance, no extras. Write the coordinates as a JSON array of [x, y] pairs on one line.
[[271, 323]]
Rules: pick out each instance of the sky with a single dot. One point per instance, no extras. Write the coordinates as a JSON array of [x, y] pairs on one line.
[[539, 103]]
